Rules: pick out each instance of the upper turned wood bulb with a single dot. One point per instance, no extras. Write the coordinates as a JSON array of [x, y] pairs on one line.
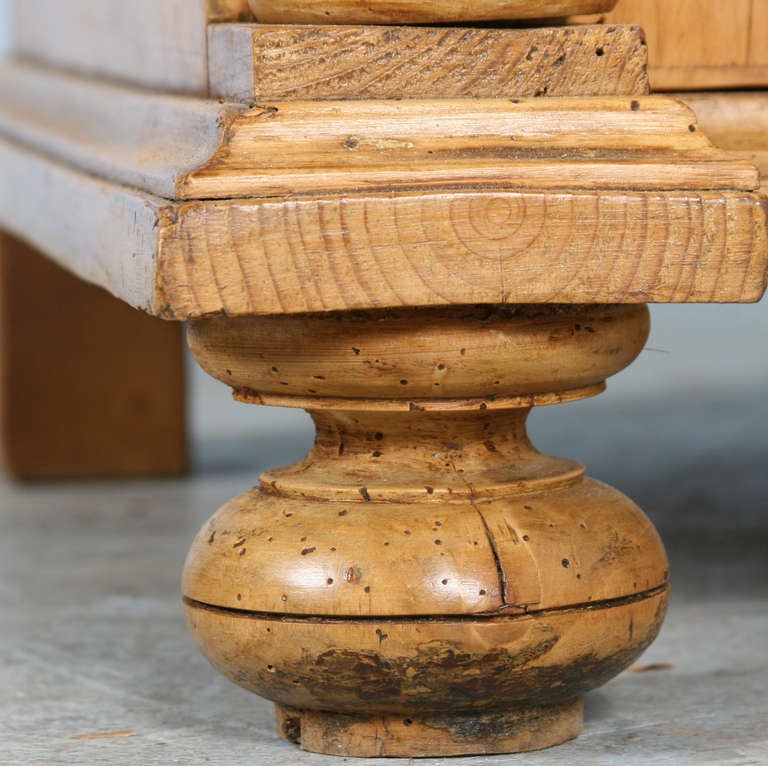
[[418, 11]]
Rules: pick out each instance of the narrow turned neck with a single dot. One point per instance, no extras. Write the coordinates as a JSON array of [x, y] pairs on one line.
[[421, 456]]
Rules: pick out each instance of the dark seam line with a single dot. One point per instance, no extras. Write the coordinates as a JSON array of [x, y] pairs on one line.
[[444, 618]]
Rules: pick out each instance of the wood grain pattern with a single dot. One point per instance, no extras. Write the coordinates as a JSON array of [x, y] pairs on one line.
[[195, 148], [325, 353], [647, 143], [428, 249], [436, 571], [69, 384], [377, 736], [505, 660], [758, 41], [262, 62], [417, 11], [185, 260], [701, 44], [379, 203]]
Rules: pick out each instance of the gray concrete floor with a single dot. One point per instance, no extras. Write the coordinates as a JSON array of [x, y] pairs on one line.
[[93, 640]]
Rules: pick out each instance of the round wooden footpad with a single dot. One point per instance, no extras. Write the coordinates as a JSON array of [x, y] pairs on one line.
[[518, 731]]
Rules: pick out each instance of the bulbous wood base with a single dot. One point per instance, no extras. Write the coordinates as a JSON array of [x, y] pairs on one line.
[[425, 582]]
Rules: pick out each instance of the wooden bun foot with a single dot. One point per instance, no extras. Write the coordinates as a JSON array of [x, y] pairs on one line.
[[419, 736], [425, 582]]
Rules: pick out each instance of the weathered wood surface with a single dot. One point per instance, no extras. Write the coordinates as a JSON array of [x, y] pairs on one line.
[[104, 233], [425, 249], [434, 569], [274, 355], [89, 387], [198, 149], [737, 121], [695, 45], [281, 62], [340, 205], [417, 11], [283, 149], [183, 260], [157, 43], [136, 138]]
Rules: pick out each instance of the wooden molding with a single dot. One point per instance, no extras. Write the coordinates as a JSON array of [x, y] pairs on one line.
[[344, 205], [182, 148]]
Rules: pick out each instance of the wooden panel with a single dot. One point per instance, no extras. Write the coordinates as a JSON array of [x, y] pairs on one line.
[[199, 149], [758, 43], [259, 62], [88, 386], [158, 43], [737, 122], [417, 11], [701, 44], [707, 78], [346, 194]]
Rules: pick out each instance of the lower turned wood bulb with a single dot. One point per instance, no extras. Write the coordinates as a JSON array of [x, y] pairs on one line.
[[425, 582]]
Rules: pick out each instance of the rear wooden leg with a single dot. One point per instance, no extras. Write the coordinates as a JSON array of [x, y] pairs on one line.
[[89, 387]]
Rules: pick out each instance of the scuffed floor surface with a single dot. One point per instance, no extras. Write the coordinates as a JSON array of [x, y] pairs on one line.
[[93, 641]]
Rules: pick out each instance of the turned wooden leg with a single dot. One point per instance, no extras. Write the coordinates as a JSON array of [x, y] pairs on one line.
[[425, 582], [88, 386]]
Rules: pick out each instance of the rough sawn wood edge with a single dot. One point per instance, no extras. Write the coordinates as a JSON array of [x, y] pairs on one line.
[[259, 62]]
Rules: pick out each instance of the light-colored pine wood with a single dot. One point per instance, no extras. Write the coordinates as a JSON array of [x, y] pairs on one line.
[[376, 736], [88, 386], [417, 11], [219, 11], [435, 368], [379, 203], [701, 44], [737, 121], [188, 148], [185, 260], [647, 143], [281, 62], [157, 43], [502, 658], [404, 526]]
